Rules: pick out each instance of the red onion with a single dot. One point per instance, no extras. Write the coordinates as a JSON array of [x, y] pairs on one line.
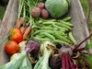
[[32, 46]]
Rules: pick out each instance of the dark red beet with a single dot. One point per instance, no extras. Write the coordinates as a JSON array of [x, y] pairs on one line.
[[55, 62]]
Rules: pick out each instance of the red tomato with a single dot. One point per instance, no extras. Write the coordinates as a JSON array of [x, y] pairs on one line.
[[16, 35], [11, 47]]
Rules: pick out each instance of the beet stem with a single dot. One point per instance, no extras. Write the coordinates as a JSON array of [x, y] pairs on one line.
[[83, 41], [86, 63], [76, 67], [71, 63], [63, 61], [81, 49], [66, 60]]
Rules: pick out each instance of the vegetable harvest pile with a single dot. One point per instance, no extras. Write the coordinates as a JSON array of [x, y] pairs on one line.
[[40, 39]]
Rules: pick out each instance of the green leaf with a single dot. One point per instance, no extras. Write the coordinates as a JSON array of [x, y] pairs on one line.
[[91, 16], [89, 59], [88, 46]]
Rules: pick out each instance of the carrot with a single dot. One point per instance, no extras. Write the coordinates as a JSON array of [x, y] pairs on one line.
[[17, 23], [22, 29], [22, 20], [27, 31]]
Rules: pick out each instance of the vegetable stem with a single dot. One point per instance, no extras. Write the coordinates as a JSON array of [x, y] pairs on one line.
[[5, 38], [83, 41]]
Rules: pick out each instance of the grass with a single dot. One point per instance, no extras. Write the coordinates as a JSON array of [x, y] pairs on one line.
[[84, 5], [2, 11], [85, 8], [3, 4]]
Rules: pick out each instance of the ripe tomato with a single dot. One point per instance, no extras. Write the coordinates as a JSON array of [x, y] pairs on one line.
[[11, 47], [16, 35]]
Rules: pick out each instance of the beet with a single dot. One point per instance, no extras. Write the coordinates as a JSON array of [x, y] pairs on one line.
[[55, 62], [66, 50]]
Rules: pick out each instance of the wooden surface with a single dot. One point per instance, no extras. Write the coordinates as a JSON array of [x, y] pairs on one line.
[[80, 30], [0, 21], [7, 23]]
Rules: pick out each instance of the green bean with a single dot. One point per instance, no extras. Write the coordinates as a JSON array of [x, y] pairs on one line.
[[48, 35], [48, 28], [48, 39], [53, 30], [62, 33], [44, 20], [62, 38], [41, 39], [72, 38], [67, 19], [39, 31], [35, 27], [49, 22], [63, 25], [66, 23], [40, 21], [60, 28], [60, 42]]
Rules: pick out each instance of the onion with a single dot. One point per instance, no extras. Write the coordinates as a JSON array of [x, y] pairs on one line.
[[32, 46]]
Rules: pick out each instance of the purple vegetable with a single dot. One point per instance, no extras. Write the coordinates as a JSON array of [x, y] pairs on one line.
[[55, 62], [67, 62], [32, 46], [66, 50]]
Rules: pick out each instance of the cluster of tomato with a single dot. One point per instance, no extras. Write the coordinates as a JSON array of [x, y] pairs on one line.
[[15, 37]]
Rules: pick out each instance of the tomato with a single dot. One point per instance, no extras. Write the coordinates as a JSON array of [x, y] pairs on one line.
[[16, 35], [11, 47]]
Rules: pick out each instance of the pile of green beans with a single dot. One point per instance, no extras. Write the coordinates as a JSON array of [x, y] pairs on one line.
[[57, 31]]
